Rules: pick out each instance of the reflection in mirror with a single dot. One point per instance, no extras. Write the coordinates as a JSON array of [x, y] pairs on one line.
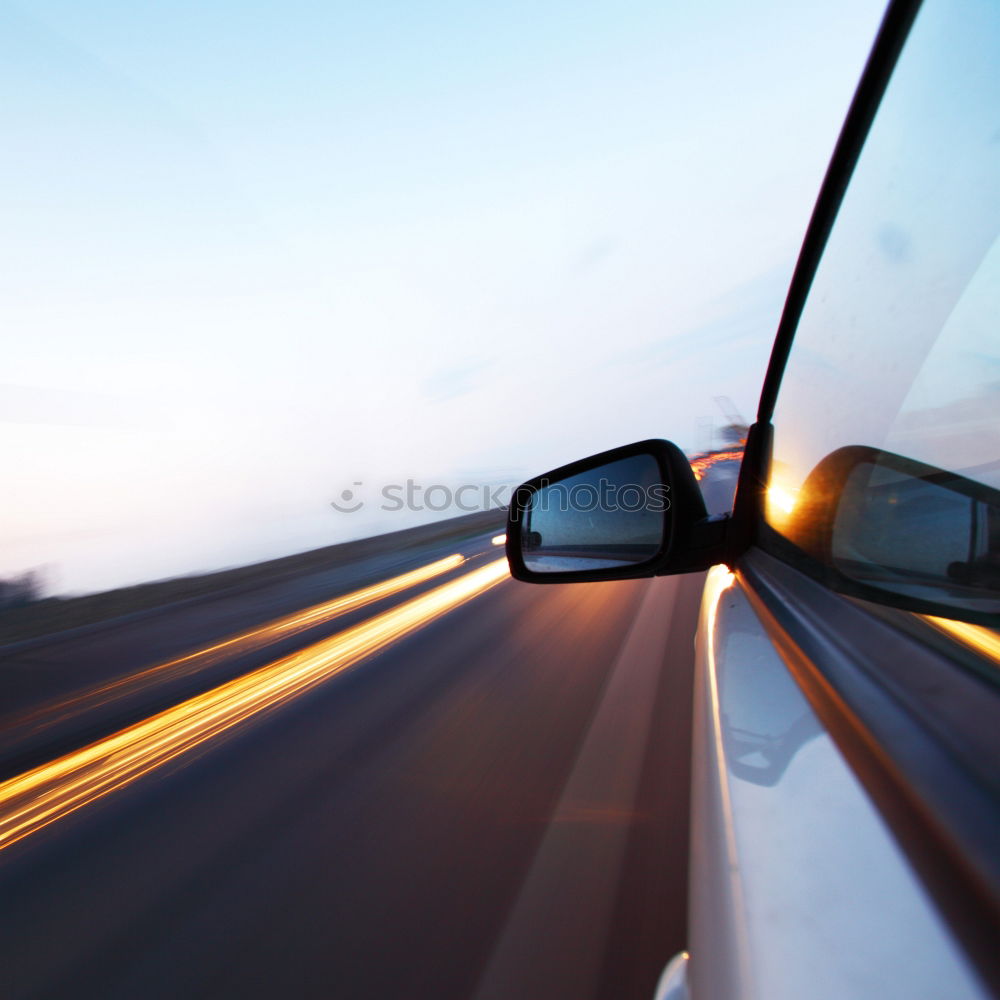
[[614, 515], [934, 535]]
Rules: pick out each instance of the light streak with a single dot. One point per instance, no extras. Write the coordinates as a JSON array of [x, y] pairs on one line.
[[984, 641], [718, 580], [236, 645], [702, 463], [498, 540], [47, 793]]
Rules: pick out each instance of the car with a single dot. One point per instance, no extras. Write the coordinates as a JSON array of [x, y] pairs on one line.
[[845, 815]]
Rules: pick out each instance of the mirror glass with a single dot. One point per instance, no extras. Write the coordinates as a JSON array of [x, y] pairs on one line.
[[614, 515], [936, 537]]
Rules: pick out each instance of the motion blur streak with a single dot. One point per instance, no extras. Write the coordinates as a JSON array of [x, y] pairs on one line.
[[49, 792], [249, 641], [498, 540], [984, 641], [701, 465]]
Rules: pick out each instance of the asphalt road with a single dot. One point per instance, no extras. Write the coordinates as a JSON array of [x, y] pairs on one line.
[[492, 806]]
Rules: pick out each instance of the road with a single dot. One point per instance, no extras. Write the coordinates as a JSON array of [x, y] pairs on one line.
[[490, 804]]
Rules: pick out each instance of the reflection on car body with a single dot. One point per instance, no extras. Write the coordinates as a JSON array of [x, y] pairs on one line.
[[763, 717]]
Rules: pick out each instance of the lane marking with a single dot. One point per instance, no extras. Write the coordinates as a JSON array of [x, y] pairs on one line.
[[47, 793]]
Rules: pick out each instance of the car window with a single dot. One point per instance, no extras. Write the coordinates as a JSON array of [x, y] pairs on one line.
[[886, 423]]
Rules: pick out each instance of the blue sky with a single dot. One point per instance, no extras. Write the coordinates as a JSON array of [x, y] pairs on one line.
[[253, 253]]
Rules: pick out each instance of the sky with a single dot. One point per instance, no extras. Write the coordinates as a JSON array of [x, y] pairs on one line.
[[254, 255]]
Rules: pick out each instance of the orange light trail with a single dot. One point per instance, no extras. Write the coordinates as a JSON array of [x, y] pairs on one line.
[[984, 641], [47, 793], [704, 462], [245, 642]]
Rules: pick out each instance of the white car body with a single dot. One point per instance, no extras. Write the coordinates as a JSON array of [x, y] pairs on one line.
[[798, 887]]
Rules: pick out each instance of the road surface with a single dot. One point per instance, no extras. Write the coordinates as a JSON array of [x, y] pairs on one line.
[[490, 804]]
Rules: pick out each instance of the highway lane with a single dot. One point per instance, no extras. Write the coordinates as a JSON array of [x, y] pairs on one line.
[[493, 806], [58, 693]]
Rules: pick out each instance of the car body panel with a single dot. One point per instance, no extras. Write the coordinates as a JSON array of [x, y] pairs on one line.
[[798, 887]]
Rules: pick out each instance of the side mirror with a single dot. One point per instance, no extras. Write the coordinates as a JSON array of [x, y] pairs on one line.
[[630, 512], [897, 531]]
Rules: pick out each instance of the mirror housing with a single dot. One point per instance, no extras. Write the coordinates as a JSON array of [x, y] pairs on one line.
[[634, 511], [896, 531]]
